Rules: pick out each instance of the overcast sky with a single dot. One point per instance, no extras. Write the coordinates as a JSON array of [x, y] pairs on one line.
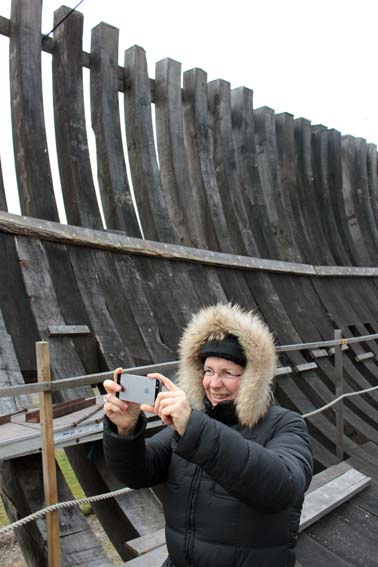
[[315, 59]]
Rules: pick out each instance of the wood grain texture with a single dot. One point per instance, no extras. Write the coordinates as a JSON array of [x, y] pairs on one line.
[[75, 170], [225, 166], [145, 174], [210, 211], [173, 159], [28, 124], [3, 199], [263, 221], [267, 160], [114, 186]]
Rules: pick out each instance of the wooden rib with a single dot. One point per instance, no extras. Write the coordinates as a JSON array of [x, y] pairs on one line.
[[152, 207], [70, 129], [3, 199], [172, 155], [211, 215], [372, 172], [287, 170], [308, 202], [324, 195], [267, 159], [29, 136], [260, 209], [227, 175], [352, 185], [114, 187]]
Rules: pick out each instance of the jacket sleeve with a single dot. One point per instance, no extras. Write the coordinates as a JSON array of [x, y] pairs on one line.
[[269, 477], [137, 462]]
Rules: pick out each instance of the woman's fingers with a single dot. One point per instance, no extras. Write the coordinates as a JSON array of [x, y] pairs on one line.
[[111, 387], [166, 381]]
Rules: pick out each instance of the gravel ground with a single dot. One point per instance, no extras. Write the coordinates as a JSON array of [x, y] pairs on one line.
[[11, 555]]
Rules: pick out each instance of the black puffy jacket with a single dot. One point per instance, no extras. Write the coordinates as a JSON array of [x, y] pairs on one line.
[[234, 482], [232, 494]]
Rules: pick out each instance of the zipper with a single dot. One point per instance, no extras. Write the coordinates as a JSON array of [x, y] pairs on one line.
[[191, 516]]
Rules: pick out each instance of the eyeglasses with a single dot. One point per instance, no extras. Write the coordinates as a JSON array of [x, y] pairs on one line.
[[222, 374]]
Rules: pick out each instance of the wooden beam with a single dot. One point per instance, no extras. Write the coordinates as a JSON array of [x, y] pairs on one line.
[[48, 456]]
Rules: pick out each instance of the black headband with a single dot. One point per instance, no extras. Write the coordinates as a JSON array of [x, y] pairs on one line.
[[228, 348]]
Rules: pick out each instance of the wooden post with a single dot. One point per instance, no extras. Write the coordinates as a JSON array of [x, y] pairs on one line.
[[48, 456], [339, 390]]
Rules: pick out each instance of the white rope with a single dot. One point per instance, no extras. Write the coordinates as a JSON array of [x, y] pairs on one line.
[[115, 493], [59, 505], [330, 404]]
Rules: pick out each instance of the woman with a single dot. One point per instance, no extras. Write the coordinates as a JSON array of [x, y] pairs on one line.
[[235, 466]]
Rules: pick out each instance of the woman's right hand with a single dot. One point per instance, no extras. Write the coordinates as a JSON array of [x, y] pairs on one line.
[[123, 414]]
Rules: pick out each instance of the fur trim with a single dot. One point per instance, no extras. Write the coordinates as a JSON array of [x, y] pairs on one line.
[[254, 395]]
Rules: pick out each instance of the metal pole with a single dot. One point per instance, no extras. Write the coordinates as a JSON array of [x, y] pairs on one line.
[[339, 387], [48, 456]]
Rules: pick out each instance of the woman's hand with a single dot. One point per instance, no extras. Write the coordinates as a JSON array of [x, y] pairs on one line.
[[123, 414], [171, 406]]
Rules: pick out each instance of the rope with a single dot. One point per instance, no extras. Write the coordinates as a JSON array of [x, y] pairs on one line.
[[59, 505], [115, 493], [330, 404]]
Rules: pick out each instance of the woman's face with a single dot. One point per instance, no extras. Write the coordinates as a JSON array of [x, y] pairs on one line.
[[221, 379]]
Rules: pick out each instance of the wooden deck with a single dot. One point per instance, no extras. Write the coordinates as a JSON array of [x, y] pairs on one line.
[[348, 537]]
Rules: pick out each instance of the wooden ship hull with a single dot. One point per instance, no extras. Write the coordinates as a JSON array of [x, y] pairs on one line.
[[234, 204]]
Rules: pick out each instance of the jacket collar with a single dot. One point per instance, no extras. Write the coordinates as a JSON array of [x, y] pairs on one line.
[[225, 412]]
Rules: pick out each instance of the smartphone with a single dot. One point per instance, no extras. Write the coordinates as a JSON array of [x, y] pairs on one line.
[[139, 389]]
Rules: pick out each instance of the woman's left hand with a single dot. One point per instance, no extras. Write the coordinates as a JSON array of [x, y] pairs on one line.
[[171, 406]]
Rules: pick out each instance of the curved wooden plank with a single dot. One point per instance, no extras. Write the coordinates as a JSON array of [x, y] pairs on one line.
[[372, 172], [211, 215], [266, 145], [308, 202], [287, 167], [354, 187], [16, 308], [172, 155], [114, 187], [227, 176], [3, 199], [324, 188], [70, 128], [30, 144], [260, 209], [151, 201]]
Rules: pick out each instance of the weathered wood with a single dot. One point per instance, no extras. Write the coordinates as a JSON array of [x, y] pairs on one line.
[[211, 215], [372, 175], [325, 176], [3, 199], [260, 207], [146, 543], [150, 198], [30, 144], [353, 188], [267, 160], [48, 457], [68, 330], [154, 558], [307, 200], [62, 408], [336, 176], [173, 159], [114, 187], [226, 173], [10, 374], [21, 484], [71, 137]]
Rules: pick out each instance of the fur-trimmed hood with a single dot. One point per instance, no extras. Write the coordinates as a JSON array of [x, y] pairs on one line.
[[215, 322]]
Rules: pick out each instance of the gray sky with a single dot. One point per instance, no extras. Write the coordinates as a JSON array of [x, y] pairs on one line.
[[315, 59]]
